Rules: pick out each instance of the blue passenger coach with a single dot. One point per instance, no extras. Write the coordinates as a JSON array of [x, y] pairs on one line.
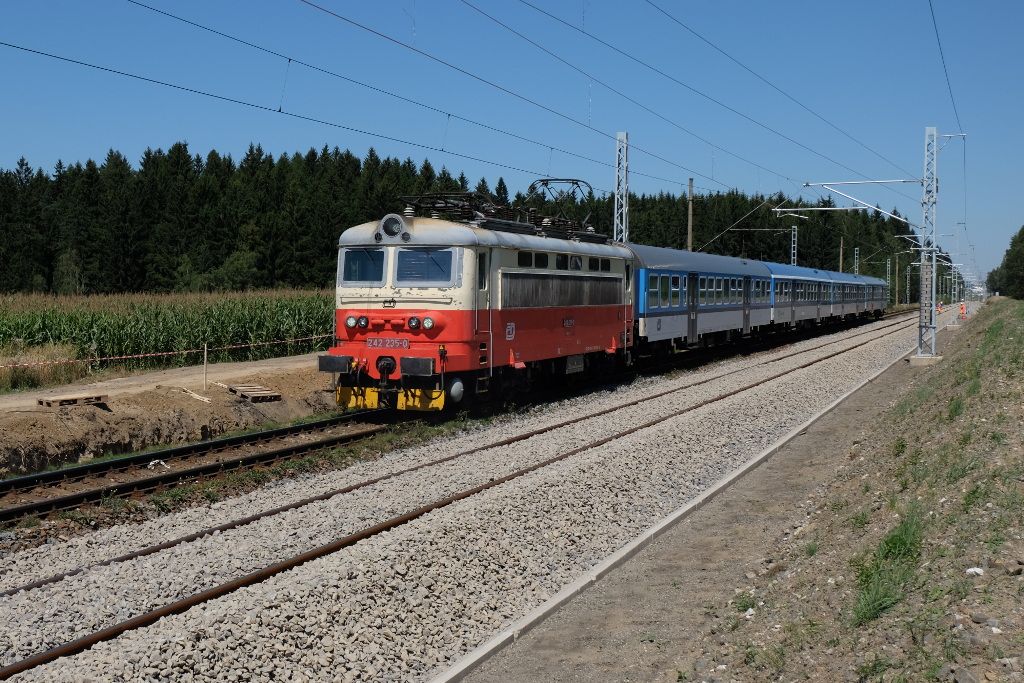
[[682, 295], [684, 298]]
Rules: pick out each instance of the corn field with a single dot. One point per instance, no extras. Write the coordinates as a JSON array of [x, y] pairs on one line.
[[124, 325]]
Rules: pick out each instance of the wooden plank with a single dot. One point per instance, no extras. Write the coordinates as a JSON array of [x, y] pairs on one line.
[[84, 399]]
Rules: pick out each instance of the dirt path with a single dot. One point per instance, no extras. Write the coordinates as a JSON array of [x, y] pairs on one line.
[[191, 377], [657, 617], [151, 410]]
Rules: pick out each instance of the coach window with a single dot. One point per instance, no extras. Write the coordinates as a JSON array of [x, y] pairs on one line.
[[606, 265], [481, 270], [575, 262], [525, 259], [664, 291], [540, 260], [675, 290], [734, 288], [652, 291], [720, 290]]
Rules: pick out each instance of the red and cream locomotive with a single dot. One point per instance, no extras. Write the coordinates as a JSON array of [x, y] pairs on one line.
[[430, 309]]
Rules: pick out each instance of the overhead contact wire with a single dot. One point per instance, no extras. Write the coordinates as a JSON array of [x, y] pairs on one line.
[[507, 91], [766, 81], [261, 107]]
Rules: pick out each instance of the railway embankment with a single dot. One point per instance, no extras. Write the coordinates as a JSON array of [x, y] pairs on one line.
[[886, 543]]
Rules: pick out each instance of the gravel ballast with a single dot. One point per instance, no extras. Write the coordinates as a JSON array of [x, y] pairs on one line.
[[403, 604]]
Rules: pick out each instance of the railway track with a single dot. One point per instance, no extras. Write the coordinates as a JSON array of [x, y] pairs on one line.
[[263, 573], [71, 487]]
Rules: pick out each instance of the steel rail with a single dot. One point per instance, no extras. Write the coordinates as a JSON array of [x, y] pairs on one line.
[[73, 500], [29, 481], [178, 606], [149, 550]]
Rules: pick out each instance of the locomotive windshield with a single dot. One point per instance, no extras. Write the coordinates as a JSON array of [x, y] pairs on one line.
[[418, 266], [362, 264]]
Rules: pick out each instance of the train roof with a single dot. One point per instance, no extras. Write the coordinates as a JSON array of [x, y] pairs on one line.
[[786, 270], [855, 279], [678, 259], [439, 232]]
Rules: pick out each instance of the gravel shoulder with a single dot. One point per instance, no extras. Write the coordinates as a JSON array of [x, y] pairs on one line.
[[406, 604], [787, 576]]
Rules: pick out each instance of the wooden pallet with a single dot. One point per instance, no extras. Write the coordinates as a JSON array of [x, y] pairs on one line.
[[82, 400], [254, 393]]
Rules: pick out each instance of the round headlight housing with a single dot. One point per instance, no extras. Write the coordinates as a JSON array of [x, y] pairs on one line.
[[363, 322], [392, 225], [350, 321], [414, 323], [428, 323]]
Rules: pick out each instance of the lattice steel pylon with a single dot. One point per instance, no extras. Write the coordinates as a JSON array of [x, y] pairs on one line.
[[856, 260], [927, 315], [888, 278], [620, 231], [792, 248]]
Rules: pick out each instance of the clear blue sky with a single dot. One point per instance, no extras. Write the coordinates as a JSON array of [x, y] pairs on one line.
[[872, 68]]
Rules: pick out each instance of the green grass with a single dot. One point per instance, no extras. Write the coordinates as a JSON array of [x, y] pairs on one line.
[[744, 601], [955, 408], [860, 520], [811, 549], [883, 577]]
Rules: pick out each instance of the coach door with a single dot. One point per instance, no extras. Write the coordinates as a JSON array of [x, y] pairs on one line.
[[482, 308], [746, 305], [691, 307]]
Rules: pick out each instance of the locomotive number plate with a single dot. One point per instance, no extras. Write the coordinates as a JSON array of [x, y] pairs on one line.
[[386, 343]]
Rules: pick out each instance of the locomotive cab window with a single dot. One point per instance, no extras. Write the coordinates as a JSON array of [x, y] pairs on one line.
[[424, 266], [360, 264]]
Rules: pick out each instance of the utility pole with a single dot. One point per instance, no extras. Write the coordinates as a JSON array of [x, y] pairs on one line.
[[689, 219], [927, 314], [856, 260], [896, 281], [792, 248], [888, 277], [840, 253], [620, 230]]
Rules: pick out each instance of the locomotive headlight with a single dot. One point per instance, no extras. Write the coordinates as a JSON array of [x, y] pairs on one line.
[[350, 321], [363, 321], [414, 323], [428, 323]]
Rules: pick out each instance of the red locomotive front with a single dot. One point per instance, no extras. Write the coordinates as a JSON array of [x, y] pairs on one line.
[[430, 310]]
